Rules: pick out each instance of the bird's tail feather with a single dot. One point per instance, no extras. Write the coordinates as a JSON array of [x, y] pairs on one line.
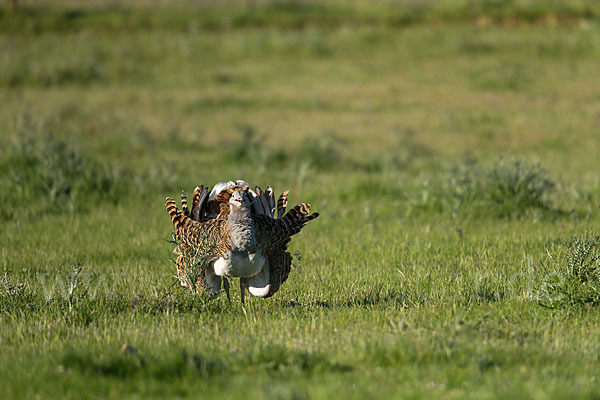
[[184, 205], [297, 217], [270, 201], [262, 198], [179, 219], [257, 205], [198, 202], [263, 203]]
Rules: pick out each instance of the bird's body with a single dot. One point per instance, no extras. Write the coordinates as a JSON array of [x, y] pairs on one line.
[[239, 264], [237, 230], [245, 259]]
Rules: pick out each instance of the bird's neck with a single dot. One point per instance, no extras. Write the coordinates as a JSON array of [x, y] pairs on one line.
[[241, 224]]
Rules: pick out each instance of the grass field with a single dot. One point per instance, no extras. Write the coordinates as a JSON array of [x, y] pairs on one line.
[[451, 148]]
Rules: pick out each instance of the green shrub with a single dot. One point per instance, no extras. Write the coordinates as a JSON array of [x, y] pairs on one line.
[[42, 174], [574, 278], [324, 152], [506, 189], [502, 77], [14, 296], [195, 259], [250, 148]]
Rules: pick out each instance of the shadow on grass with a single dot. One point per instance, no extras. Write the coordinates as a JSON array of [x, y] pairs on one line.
[[370, 299], [289, 15], [178, 363]]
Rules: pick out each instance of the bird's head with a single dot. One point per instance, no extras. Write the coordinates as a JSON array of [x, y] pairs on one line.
[[239, 199]]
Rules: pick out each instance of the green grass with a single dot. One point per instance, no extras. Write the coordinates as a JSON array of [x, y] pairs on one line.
[[452, 159]]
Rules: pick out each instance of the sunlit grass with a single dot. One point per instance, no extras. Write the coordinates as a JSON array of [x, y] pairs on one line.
[[448, 161]]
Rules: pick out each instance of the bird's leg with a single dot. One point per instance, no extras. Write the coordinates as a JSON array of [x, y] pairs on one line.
[[243, 290], [226, 288]]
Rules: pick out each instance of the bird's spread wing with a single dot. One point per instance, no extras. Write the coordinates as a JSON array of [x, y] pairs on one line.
[[273, 233], [273, 236]]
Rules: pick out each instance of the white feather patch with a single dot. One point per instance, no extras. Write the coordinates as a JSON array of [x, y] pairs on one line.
[[258, 285], [218, 188], [271, 201]]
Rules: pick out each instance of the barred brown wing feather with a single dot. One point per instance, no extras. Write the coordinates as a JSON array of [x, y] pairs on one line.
[[297, 217], [286, 263], [273, 236], [271, 233], [282, 204], [275, 271], [192, 233], [280, 264]]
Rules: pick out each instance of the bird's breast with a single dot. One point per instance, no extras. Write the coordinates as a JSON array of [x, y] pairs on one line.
[[239, 264]]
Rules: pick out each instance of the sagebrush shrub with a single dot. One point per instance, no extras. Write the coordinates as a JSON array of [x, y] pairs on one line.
[[42, 174], [506, 189], [250, 148]]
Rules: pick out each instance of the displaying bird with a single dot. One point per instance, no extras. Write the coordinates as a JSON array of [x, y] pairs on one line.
[[236, 233]]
